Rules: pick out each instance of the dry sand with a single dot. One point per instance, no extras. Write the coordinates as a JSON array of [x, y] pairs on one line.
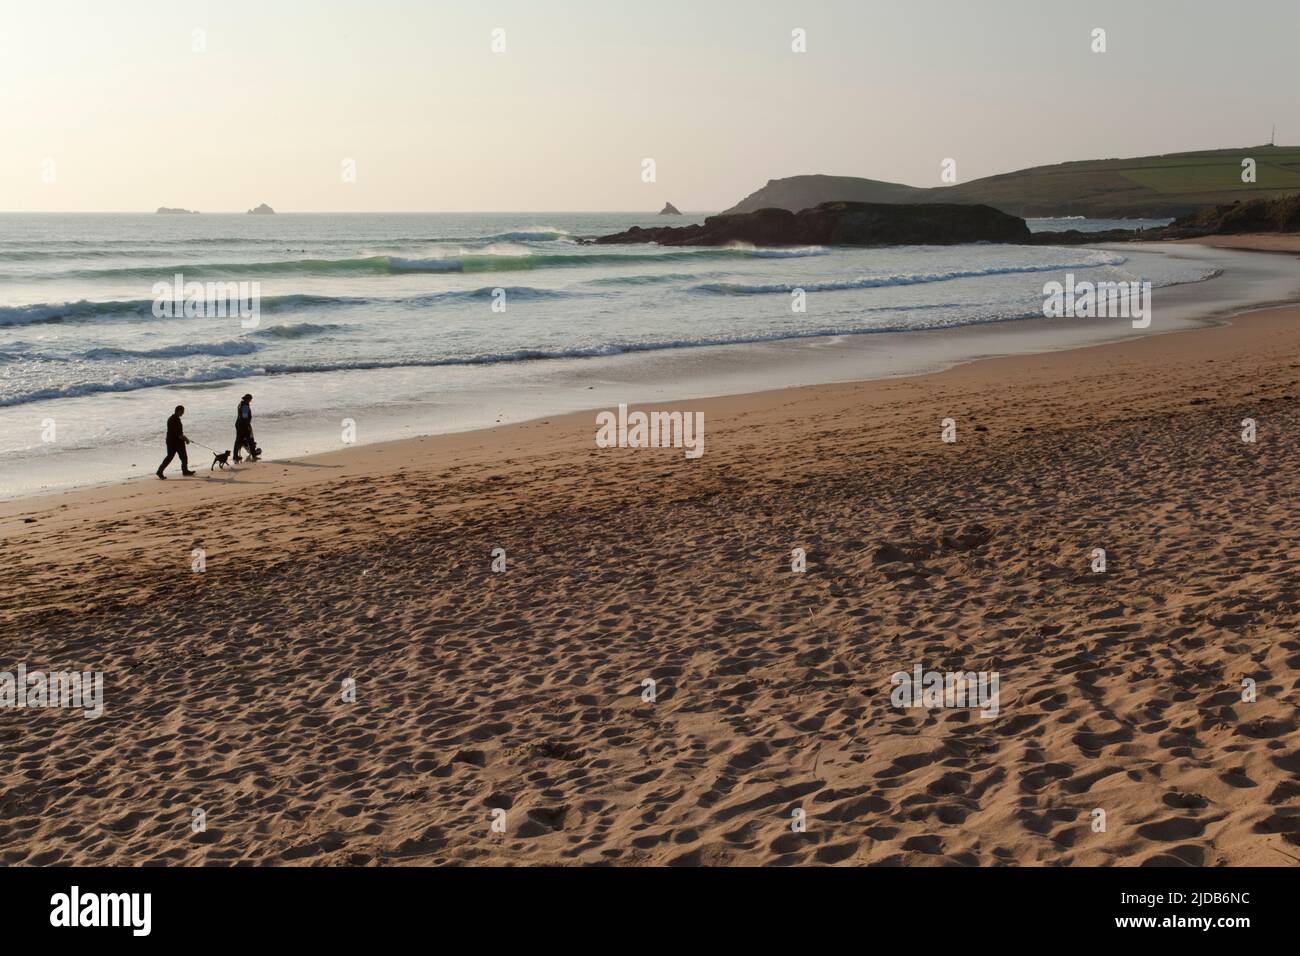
[[522, 690]]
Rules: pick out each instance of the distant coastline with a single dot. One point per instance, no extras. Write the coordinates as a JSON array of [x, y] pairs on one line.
[[1161, 186]]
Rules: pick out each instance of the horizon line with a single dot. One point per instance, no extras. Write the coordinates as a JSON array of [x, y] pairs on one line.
[[323, 212], [364, 212]]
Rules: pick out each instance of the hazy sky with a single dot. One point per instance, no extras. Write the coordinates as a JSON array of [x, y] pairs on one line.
[[113, 100]]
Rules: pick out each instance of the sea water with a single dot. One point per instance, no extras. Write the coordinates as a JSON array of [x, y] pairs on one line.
[[363, 313]]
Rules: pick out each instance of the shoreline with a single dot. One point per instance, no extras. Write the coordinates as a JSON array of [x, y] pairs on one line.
[[559, 387], [350, 461]]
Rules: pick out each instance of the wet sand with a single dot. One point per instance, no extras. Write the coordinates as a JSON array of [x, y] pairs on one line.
[[1250, 241]]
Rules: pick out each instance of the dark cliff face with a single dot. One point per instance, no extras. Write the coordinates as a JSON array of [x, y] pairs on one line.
[[1254, 215], [842, 224]]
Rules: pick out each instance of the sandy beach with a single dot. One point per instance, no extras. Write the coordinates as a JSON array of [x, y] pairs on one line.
[[1251, 242], [228, 692]]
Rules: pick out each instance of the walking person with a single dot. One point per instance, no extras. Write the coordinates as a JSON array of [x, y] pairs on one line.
[[176, 442], [244, 429]]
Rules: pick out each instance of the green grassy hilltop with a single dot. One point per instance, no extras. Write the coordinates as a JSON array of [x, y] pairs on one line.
[[1174, 184]]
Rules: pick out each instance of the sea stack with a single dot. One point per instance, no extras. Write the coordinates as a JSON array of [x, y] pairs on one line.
[[670, 210], [262, 210]]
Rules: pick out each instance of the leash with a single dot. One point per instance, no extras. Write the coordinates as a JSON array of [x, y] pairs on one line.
[[201, 445]]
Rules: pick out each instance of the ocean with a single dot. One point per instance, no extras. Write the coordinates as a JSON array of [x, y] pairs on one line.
[[363, 315]]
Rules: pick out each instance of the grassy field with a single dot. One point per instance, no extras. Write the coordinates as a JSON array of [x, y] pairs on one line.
[[1216, 174]]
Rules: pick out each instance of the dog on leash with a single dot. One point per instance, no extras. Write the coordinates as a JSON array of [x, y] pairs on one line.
[[223, 460]]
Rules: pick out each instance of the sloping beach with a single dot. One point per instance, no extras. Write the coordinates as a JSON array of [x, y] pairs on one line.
[[523, 691]]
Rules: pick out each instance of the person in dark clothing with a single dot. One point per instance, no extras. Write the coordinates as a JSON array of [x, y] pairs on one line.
[[244, 429], [176, 442]]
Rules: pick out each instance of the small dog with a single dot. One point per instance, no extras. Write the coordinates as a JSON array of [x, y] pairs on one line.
[[223, 460]]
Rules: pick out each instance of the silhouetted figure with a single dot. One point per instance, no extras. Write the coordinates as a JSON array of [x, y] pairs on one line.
[[244, 429], [176, 442]]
